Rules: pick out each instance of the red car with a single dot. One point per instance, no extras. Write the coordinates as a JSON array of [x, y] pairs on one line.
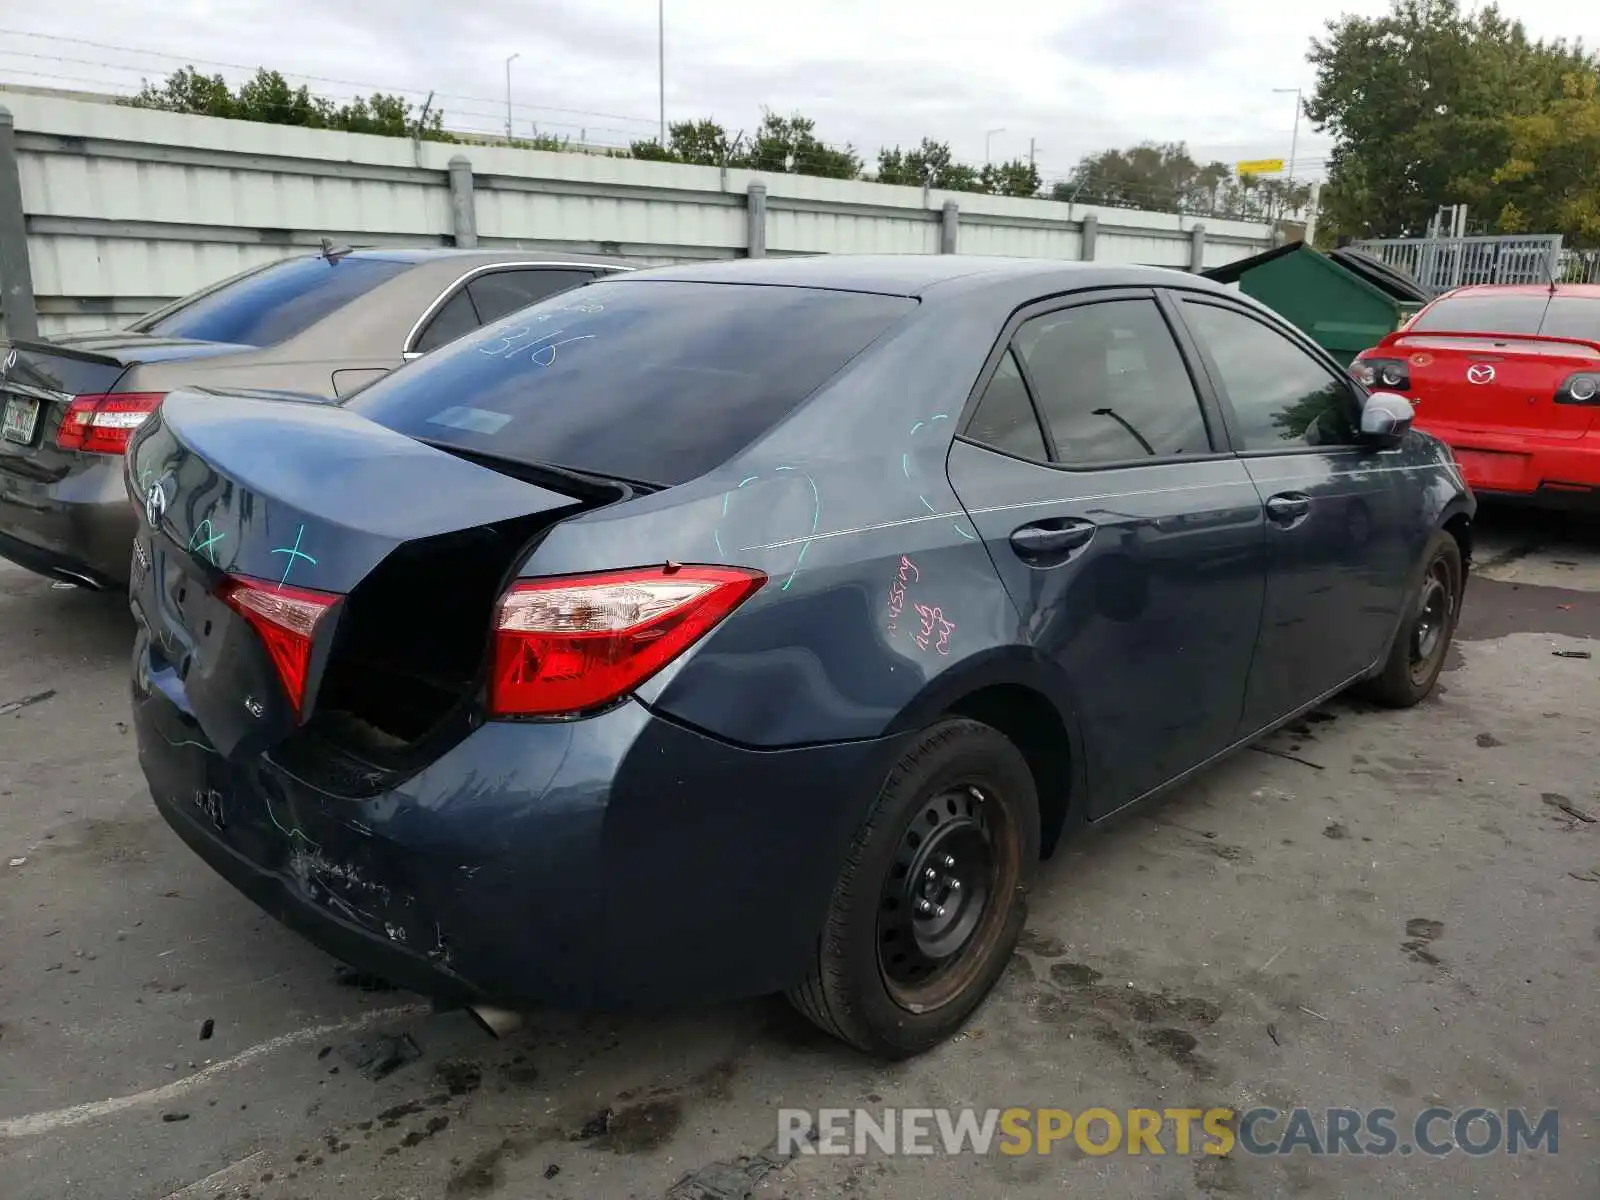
[[1509, 378]]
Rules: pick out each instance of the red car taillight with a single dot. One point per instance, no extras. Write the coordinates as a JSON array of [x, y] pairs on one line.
[[102, 424], [567, 645], [1582, 388], [1382, 374], [286, 620]]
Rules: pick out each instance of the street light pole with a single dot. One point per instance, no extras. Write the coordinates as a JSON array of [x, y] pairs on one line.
[[1294, 139], [661, 64], [987, 135], [513, 58]]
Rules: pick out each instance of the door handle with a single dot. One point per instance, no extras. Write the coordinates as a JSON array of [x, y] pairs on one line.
[[1052, 537], [1288, 507]]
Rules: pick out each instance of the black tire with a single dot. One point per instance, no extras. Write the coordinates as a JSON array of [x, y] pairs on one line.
[[1433, 607], [891, 977]]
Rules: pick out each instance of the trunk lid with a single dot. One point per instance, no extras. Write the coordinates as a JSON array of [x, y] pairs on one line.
[[41, 378], [1496, 383], [300, 494]]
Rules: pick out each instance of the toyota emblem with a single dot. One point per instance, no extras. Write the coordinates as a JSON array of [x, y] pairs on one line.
[[155, 505], [1480, 373]]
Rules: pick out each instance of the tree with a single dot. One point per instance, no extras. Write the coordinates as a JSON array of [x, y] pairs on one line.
[[782, 144], [1421, 103], [929, 165], [1019, 177], [1553, 167], [1149, 175], [187, 91], [267, 97], [787, 144], [701, 143]]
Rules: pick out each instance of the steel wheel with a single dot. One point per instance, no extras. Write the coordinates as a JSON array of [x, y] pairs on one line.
[[937, 912], [931, 895], [1435, 608]]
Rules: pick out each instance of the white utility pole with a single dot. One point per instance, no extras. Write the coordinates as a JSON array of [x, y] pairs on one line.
[[509, 61], [1294, 138], [987, 135]]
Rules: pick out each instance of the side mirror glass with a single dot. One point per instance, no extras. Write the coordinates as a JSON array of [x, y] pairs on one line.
[[1386, 418]]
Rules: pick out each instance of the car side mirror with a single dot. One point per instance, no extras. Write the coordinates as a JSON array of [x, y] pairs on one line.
[[1386, 418]]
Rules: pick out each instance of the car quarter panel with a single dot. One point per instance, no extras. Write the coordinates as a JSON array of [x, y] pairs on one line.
[[877, 581]]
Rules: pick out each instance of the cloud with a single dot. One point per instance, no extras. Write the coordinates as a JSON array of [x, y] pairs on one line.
[[1145, 35], [871, 74]]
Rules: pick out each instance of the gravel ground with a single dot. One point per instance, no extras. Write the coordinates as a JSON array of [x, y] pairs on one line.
[[1370, 910]]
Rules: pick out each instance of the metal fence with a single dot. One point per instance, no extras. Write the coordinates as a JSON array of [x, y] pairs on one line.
[[1578, 266], [1439, 264]]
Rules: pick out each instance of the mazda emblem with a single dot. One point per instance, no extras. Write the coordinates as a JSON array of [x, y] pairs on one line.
[[1480, 373]]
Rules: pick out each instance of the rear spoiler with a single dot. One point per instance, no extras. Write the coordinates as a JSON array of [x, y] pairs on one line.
[[1498, 341], [39, 346]]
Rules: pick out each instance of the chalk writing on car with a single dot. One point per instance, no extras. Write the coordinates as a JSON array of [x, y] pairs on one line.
[[935, 626], [897, 590], [905, 469], [204, 539], [295, 555], [728, 499]]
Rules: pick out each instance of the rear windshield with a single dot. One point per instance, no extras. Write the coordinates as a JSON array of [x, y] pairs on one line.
[[654, 382], [270, 306], [1559, 316]]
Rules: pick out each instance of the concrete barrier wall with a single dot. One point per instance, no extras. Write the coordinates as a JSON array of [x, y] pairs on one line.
[[123, 209]]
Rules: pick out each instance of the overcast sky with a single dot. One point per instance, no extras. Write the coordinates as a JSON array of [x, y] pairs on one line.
[[1077, 77]]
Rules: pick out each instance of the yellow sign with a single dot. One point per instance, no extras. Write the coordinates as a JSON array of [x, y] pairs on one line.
[[1259, 166]]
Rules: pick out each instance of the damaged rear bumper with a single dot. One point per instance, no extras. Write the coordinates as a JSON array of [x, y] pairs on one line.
[[616, 862]]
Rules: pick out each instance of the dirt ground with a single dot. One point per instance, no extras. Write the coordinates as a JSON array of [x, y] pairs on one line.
[[1369, 910]]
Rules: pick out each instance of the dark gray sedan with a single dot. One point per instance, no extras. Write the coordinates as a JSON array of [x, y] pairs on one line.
[[756, 626], [322, 324]]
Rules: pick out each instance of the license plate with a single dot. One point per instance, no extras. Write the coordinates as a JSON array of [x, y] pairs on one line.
[[1491, 470], [22, 414]]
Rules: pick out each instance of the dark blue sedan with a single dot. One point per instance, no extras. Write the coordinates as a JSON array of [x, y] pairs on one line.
[[751, 627]]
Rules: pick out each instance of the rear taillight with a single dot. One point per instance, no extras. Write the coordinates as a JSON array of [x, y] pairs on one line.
[[1382, 374], [1582, 388], [572, 644], [286, 620], [102, 424]]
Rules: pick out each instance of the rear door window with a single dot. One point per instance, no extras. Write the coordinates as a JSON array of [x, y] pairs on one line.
[[1005, 418], [456, 318], [264, 308], [652, 381], [1111, 384], [501, 293]]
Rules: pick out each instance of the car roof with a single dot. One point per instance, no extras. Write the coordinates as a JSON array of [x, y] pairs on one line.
[[916, 274], [1579, 291], [421, 255]]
